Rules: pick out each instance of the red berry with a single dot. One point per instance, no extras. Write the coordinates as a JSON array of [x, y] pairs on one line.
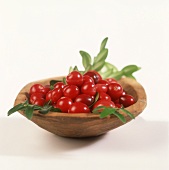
[[36, 96], [126, 100], [101, 88], [46, 89], [37, 88], [88, 88], [103, 82], [118, 105], [87, 79], [111, 80], [95, 75], [63, 104], [114, 91], [59, 85], [39, 102], [103, 102], [85, 98], [74, 78], [71, 91], [104, 96], [54, 95], [78, 107]]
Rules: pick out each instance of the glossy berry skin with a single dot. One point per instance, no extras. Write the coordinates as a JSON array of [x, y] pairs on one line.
[[39, 102], [74, 78], [63, 104], [103, 82], [54, 95], [114, 91], [84, 98], [94, 75], [103, 102], [71, 91], [87, 79], [59, 85], [104, 96], [126, 100], [78, 107], [37, 88], [46, 89], [36, 96], [101, 88], [111, 80], [88, 88]]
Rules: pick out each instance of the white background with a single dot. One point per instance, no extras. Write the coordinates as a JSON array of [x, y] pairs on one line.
[[41, 39]]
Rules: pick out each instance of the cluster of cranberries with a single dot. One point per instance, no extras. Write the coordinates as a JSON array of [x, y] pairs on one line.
[[78, 95]]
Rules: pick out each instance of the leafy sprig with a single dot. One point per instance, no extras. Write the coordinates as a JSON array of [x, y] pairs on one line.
[[106, 111], [28, 109], [106, 69]]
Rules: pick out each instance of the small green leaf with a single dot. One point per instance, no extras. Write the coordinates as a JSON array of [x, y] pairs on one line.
[[128, 70], [101, 56], [16, 108], [55, 110], [86, 59], [107, 111], [64, 80], [89, 67], [120, 116], [75, 68], [29, 112], [103, 44], [98, 66], [45, 110], [128, 113], [70, 69], [98, 109]]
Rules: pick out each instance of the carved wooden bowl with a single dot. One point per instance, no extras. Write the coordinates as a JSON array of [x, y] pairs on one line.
[[82, 124]]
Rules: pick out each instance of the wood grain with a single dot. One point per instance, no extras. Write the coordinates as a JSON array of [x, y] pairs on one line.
[[81, 124]]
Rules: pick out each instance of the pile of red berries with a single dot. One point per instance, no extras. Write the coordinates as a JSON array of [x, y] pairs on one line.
[[79, 93]]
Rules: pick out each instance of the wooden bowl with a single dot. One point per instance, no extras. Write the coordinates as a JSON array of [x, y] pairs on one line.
[[82, 124]]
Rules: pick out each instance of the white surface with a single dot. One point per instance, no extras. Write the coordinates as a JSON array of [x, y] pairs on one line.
[[40, 39]]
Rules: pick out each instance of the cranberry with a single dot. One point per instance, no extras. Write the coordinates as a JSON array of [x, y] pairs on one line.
[[126, 100], [85, 98], [39, 102], [36, 96], [74, 78], [78, 107], [88, 88], [95, 75], [111, 80], [63, 104], [87, 79], [114, 91], [103, 102], [59, 85], [54, 95], [104, 96], [71, 91], [103, 82], [101, 88], [37, 88]]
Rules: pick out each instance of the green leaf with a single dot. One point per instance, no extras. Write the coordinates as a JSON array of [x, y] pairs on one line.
[[86, 58], [98, 109], [101, 56], [89, 67], [29, 112], [128, 113], [16, 108], [55, 110], [98, 66], [64, 80], [120, 116], [70, 69], [95, 100], [103, 44], [107, 111], [75, 68], [128, 70], [45, 110]]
